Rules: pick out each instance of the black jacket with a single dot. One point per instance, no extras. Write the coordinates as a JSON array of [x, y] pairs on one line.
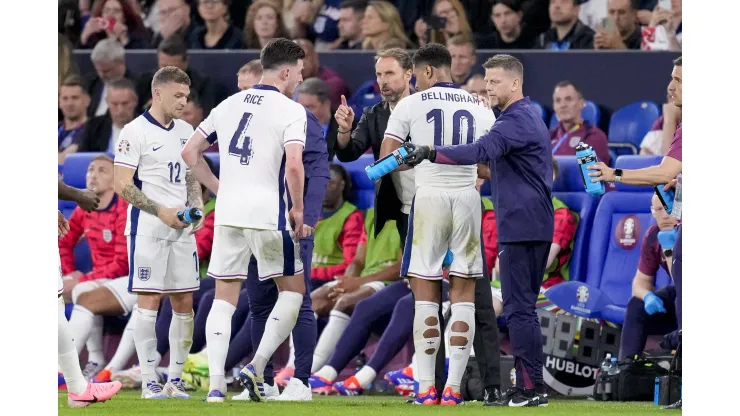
[[95, 89], [331, 136], [96, 134], [579, 37], [367, 133], [209, 92]]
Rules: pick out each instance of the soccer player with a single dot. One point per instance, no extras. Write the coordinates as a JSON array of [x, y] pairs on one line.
[[519, 156], [80, 393], [151, 175], [446, 213], [255, 214]]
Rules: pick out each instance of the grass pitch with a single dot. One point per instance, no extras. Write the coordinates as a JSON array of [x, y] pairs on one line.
[[128, 402]]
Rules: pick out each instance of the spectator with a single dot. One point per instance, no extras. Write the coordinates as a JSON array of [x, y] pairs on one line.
[[567, 31], [462, 49], [623, 30], [66, 63], [313, 94], [109, 59], [339, 230], [73, 101], [262, 23], [382, 22], [650, 311], [568, 101], [174, 19], [193, 112], [664, 30], [658, 140], [298, 15], [217, 32], [506, 16], [174, 52], [350, 24], [455, 23], [477, 85], [114, 19], [593, 13], [312, 68], [325, 27], [249, 75], [70, 24], [101, 133]]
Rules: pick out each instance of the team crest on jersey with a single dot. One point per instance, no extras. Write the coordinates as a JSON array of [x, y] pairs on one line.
[[107, 236], [183, 141], [124, 146], [145, 273]]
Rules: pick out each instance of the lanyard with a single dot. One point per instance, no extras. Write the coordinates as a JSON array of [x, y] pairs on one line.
[[565, 136]]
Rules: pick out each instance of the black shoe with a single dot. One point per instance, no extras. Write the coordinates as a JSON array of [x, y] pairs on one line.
[[528, 398], [674, 406], [496, 398]]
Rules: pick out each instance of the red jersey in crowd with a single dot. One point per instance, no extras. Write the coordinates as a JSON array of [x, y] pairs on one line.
[[104, 230]]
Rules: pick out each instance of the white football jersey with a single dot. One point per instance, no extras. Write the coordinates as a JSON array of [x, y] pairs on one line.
[[442, 115], [154, 152], [252, 128]]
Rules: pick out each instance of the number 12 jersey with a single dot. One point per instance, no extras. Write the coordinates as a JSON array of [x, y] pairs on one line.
[[253, 127]]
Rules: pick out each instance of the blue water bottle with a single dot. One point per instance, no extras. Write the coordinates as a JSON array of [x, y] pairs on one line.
[[381, 167], [586, 157], [189, 215]]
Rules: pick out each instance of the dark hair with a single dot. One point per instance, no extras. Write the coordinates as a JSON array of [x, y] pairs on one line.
[[434, 55], [122, 84], [131, 18], [555, 167], [507, 62], [74, 81], [316, 87], [347, 194], [569, 83], [358, 6], [401, 56], [170, 74], [280, 51], [677, 61], [174, 46], [514, 5]]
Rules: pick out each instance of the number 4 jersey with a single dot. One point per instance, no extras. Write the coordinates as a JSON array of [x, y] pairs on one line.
[[154, 152], [442, 115], [253, 127]]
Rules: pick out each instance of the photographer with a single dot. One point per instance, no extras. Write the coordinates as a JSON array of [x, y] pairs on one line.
[[447, 20]]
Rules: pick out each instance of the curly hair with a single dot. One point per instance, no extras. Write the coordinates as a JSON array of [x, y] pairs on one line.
[[251, 40]]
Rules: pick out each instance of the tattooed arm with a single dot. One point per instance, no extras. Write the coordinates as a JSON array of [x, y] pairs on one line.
[[124, 186], [195, 198]]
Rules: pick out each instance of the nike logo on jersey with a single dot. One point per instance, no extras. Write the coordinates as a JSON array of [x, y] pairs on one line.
[[157, 148]]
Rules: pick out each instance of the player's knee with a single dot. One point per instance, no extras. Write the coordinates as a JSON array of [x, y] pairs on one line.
[[345, 304], [81, 288]]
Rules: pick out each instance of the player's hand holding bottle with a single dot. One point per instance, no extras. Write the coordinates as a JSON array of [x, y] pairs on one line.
[[418, 154], [345, 115], [198, 224], [169, 217]]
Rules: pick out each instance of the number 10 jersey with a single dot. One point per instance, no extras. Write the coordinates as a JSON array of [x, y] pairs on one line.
[[253, 127]]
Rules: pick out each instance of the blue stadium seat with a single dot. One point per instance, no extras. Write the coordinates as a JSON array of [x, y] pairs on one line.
[[629, 125], [590, 113], [636, 162], [75, 168], [585, 206], [544, 113], [364, 188]]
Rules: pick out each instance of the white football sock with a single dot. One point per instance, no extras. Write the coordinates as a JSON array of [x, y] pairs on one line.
[[462, 313], [338, 321], [425, 347], [145, 339], [69, 361], [279, 325], [291, 356], [218, 333], [365, 376], [126, 347], [181, 338], [328, 373], [81, 324], [94, 342]]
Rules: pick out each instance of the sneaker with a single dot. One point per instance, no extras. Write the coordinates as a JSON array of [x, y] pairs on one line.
[[249, 379], [491, 396], [526, 398], [500, 399], [215, 396], [102, 377], [130, 379], [450, 398], [348, 387], [271, 393], [295, 391], [281, 379], [153, 391], [428, 397], [175, 389], [92, 369], [320, 385], [674, 406], [402, 380], [62, 383], [94, 393]]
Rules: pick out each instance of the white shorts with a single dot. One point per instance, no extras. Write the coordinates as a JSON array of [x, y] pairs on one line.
[[442, 220], [376, 286], [275, 251], [162, 266], [117, 286]]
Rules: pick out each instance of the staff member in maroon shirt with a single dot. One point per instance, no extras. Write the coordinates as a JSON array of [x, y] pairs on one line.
[[568, 101], [664, 173]]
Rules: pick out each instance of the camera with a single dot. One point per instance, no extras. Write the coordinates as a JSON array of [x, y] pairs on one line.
[[435, 22]]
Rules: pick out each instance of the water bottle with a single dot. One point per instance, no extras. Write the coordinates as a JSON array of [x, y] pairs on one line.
[[189, 215], [385, 165], [603, 370], [613, 367], [586, 157]]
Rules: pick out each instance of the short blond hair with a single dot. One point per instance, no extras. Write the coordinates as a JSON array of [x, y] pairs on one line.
[[252, 67]]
